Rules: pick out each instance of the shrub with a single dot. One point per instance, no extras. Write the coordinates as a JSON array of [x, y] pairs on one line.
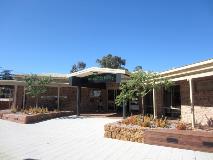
[[32, 110], [146, 121], [209, 121], [14, 110], [162, 122], [181, 126]]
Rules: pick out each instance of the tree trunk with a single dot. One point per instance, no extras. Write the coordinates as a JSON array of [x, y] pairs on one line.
[[36, 102], [142, 105], [124, 110]]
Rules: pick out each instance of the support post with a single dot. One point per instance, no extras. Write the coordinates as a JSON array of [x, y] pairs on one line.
[[192, 101], [24, 98], [58, 99], [78, 100], [15, 97], [154, 105], [124, 110]]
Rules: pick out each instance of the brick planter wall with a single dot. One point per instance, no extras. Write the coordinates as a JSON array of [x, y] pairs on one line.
[[124, 132], [186, 139], [26, 119]]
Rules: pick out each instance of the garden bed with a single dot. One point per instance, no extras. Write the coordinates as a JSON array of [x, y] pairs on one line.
[[197, 139], [26, 119]]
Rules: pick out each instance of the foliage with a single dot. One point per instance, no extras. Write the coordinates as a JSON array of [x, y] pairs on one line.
[[35, 85], [209, 121], [146, 121], [39, 110], [14, 110], [78, 67], [138, 68], [181, 126], [161, 122], [6, 75], [110, 61], [139, 84]]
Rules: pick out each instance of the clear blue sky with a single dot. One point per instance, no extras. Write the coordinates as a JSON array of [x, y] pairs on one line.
[[39, 36]]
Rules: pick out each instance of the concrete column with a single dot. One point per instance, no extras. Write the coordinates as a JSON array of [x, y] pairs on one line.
[[192, 101], [15, 97], [154, 104], [58, 99], [78, 100]]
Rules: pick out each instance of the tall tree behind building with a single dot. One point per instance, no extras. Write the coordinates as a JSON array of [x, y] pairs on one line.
[[78, 67], [6, 75], [110, 61]]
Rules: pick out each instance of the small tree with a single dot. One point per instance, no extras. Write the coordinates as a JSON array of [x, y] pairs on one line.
[[6, 75], [139, 84], [78, 67], [110, 61], [35, 86], [138, 68]]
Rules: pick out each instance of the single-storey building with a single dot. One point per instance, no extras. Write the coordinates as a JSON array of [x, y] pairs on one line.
[[95, 89]]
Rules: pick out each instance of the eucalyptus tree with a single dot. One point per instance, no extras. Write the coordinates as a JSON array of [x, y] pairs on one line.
[[110, 61], [78, 67], [140, 84], [138, 68], [35, 86], [6, 75]]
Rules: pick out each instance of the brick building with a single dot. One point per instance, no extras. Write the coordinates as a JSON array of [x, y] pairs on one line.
[[95, 90]]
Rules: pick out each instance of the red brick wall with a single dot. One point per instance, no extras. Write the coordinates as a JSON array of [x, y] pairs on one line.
[[71, 102], [203, 102], [67, 98], [159, 102], [19, 95], [186, 139], [90, 104], [5, 105]]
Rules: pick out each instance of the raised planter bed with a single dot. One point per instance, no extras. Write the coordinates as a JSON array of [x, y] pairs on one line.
[[186, 139], [26, 119], [124, 132]]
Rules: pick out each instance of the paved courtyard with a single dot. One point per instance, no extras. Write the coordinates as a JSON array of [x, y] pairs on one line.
[[79, 139]]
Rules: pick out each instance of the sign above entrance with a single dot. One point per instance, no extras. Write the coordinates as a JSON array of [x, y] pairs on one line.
[[97, 80], [102, 78]]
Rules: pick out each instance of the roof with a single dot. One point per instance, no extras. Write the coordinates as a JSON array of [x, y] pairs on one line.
[[195, 70], [97, 70], [53, 75]]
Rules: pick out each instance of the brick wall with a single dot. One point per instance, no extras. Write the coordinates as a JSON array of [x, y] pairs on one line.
[[19, 95], [5, 105], [203, 102], [71, 102], [90, 104], [186, 139], [67, 98], [159, 102]]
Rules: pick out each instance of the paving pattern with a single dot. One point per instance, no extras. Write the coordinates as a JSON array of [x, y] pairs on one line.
[[82, 138]]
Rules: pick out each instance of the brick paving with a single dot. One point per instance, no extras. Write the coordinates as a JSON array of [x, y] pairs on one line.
[[79, 138]]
